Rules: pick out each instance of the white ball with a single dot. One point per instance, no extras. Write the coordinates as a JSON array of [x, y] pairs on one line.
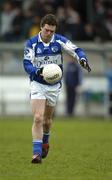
[[52, 73]]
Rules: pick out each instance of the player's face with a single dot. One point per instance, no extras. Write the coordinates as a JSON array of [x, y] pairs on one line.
[[47, 32]]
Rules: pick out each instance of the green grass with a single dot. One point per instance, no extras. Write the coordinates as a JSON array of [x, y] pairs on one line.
[[79, 150]]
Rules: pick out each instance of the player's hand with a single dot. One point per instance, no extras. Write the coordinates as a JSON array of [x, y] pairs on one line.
[[40, 72], [84, 64]]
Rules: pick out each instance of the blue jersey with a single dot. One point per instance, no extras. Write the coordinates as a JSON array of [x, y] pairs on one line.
[[37, 54]]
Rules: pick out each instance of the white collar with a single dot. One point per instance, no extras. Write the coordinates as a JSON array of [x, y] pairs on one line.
[[40, 39]]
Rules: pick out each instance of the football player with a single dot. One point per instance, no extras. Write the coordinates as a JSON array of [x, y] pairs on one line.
[[45, 48]]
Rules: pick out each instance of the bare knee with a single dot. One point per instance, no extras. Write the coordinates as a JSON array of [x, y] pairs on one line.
[[38, 119]]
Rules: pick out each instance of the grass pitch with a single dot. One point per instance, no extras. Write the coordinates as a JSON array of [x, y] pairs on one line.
[[79, 150]]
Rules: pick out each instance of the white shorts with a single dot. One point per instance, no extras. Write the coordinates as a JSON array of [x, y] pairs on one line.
[[42, 91]]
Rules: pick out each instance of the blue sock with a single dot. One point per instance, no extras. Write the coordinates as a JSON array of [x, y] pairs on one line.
[[37, 147], [46, 138]]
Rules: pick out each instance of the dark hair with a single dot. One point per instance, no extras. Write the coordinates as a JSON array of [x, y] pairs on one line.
[[49, 19]]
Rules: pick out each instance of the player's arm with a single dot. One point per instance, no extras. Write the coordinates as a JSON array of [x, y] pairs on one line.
[[29, 56], [82, 59], [76, 52]]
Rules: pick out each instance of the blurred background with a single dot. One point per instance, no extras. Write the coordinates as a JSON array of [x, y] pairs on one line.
[[87, 23]]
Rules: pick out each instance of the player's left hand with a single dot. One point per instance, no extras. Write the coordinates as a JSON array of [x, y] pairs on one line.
[[84, 64]]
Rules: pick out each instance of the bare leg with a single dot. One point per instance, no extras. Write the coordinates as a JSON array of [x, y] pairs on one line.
[[46, 128], [38, 108], [49, 110]]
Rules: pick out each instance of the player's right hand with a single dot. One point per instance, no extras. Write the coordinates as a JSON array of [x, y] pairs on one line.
[[40, 72], [84, 64]]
